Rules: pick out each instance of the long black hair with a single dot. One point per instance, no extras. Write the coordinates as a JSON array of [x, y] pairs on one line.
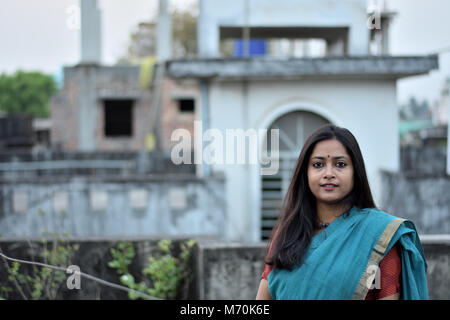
[[292, 234]]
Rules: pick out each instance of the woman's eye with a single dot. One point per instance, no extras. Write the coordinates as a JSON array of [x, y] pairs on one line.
[[317, 164], [341, 164]]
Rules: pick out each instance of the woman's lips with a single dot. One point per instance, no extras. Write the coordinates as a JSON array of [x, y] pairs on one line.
[[329, 187]]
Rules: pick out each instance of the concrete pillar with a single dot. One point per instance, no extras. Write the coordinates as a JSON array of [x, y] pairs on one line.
[[91, 40], [87, 108], [164, 32], [385, 37], [208, 35]]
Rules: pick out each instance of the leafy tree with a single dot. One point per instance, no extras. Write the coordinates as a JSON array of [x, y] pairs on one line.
[[142, 43], [414, 110], [27, 93], [184, 33]]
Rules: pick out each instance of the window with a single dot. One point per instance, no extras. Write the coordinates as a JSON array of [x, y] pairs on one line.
[[186, 105], [118, 118]]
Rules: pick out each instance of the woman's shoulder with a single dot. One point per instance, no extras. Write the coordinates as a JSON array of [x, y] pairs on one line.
[[374, 218], [378, 214]]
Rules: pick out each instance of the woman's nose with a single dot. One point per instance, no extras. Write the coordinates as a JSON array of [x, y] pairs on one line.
[[329, 172]]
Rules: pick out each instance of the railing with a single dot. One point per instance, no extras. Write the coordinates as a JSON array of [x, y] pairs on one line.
[[30, 164]]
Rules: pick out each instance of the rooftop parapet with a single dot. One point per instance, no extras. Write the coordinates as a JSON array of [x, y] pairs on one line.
[[383, 67]]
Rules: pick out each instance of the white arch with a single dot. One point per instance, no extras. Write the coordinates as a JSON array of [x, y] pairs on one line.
[[300, 106], [265, 124]]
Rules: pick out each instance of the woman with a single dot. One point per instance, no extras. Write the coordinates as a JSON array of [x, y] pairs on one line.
[[331, 242]]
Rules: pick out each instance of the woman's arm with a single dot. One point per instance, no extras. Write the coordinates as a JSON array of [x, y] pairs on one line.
[[395, 296], [263, 291]]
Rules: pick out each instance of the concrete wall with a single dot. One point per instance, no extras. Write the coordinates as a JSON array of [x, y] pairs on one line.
[[283, 13], [46, 163], [218, 271], [171, 117], [417, 192], [366, 107], [154, 205], [92, 258], [234, 271]]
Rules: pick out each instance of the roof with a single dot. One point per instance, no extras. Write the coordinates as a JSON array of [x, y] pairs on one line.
[[383, 67]]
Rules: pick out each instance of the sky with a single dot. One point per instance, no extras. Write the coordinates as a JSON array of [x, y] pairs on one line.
[[40, 35]]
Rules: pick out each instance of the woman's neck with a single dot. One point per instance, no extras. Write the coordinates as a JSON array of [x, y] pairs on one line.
[[327, 213]]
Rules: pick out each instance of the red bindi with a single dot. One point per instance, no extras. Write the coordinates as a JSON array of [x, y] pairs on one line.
[[328, 156]]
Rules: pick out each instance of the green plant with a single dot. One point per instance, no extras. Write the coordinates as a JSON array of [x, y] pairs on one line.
[[122, 257], [41, 283], [166, 273], [36, 282]]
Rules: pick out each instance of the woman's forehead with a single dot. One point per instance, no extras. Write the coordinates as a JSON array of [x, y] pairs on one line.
[[331, 147]]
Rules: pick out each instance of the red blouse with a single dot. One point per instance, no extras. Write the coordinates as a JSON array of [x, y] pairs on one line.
[[390, 268]]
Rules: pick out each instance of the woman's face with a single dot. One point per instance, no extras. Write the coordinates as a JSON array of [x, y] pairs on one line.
[[330, 172]]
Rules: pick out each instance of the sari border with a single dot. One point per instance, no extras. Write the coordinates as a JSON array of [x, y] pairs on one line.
[[376, 256]]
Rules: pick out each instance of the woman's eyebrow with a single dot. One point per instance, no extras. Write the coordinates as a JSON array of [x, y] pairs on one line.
[[322, 158]]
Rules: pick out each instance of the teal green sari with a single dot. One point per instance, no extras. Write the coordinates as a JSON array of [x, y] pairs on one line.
[[341, 261]]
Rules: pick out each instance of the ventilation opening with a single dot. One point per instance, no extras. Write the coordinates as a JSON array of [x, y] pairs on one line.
[[118, 118], [271, 203]]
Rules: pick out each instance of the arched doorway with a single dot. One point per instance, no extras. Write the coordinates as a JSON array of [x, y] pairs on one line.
[[294, 127]]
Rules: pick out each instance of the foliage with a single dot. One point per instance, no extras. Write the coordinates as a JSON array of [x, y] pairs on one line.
[[166, 272], [122, 257], [27, 93], [37, 282], [184, 33], [415, 110], [142, 42], [42, 283]]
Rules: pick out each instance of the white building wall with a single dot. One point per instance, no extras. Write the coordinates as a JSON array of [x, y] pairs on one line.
[[366, 107], [283, 13], [448, 140]]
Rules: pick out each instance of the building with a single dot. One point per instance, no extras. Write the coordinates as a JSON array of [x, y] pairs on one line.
[[108, 170], [126, 107], [349, 86], [324, 62]]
